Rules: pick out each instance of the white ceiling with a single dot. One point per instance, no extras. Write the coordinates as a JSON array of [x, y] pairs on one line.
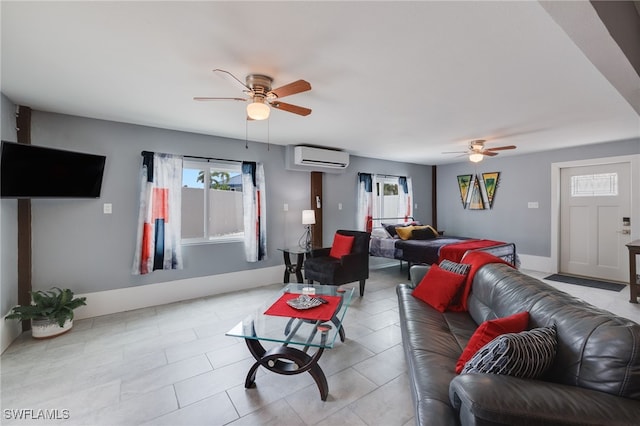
[[394, 80]]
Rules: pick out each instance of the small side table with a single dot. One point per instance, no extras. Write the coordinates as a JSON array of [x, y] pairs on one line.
[[293, 268], [634, 284]]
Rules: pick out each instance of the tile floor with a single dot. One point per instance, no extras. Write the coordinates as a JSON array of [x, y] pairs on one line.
[[173, 365]]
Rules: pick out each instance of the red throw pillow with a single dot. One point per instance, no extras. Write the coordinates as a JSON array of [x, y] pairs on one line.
[[438, 287], [341, 245], [489, 330]]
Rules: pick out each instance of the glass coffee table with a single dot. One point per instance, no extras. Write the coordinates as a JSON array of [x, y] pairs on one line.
[[296, 329]]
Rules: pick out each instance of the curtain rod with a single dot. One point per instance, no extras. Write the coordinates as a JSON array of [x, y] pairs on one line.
[[199, 158], [391, 218], [381, 175]]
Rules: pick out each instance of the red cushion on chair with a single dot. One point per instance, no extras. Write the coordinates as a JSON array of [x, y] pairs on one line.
[[438, 287], [489, 330], [342, 245]]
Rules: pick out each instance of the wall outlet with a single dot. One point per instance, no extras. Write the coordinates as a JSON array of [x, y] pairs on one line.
[[532, 205], [339, 206], [107, 208], [286, 207]]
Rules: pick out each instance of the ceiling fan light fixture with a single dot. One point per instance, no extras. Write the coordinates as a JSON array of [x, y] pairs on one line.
[[476, 157], [258, 110], [477, 145]]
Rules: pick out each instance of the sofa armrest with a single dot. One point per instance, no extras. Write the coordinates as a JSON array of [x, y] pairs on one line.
[[417, 272], [491, 399]]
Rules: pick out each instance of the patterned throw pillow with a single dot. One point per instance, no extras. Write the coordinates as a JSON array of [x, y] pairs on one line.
[[489, 330], [456, 268], [527, 354]]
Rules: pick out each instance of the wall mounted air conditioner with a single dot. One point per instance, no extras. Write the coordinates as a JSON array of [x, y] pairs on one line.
[[310, 156]]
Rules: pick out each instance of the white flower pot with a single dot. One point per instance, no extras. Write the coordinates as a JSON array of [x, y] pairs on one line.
[[45, 328]]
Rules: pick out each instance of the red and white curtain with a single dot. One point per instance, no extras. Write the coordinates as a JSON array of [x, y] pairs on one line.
[[364, 214], [405, 197], [159, 218], [372, 201], [254, 204]]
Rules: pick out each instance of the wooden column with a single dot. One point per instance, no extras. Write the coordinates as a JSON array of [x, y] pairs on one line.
[[434, 196], [23, 124], [316, 205], [634, 282]]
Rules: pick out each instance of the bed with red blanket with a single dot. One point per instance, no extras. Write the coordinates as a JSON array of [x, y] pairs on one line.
[[451, 248], [433, 250]]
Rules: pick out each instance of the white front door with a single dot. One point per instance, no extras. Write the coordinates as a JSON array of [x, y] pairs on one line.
[[595, 205]]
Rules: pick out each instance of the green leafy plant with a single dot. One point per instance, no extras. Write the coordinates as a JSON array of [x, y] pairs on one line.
[[217, 180], [54, 304]]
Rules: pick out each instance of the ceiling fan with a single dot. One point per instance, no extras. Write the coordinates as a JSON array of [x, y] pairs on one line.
[[477, 151], [261, 95]]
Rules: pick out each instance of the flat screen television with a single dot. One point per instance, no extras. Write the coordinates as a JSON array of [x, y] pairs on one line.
[[30, 171]]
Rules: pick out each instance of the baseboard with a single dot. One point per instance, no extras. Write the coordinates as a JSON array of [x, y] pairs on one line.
[[130, 298], [9, 331], [536, 263]]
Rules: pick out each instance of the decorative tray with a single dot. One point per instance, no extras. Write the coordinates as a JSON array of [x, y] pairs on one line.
[[305, 302]]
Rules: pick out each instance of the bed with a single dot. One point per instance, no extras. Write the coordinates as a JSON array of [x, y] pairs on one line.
[[431, 249]]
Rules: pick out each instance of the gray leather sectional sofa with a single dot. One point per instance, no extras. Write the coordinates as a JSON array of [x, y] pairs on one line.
[[594, 380]]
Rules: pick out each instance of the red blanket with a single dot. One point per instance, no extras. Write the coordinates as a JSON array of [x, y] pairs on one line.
[[322, 312], [477, 259], [455, 251]]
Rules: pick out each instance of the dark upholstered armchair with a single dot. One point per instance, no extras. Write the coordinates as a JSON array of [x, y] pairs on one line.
[[351, 267]]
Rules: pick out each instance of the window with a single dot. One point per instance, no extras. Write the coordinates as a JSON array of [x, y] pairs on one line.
[[598, 185], [211, 212], [386, 203], [387, 197]]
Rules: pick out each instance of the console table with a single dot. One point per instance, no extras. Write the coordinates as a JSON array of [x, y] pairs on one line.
[[634, 283]]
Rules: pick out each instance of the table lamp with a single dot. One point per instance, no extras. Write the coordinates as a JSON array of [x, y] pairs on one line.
[[308, 219]]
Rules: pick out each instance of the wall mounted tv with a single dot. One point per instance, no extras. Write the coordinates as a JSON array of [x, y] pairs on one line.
[[30, 171]]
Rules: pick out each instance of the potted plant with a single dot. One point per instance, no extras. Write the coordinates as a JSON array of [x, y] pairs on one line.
[[51, 312]]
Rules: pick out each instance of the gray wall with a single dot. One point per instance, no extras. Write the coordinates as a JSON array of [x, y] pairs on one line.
[[8, 222], [75, 245], [523, 178]]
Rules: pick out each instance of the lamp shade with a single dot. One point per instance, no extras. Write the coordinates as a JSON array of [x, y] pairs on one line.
[[258, 110], [476, 157], [308, 217]]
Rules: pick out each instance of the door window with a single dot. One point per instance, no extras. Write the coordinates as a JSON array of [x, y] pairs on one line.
[[596, 185]]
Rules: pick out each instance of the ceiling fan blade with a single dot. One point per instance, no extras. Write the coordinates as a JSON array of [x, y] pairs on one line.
[[218, 70], [292, 88], [291, 108], [204, 98], [501, 148], [489, 153]]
